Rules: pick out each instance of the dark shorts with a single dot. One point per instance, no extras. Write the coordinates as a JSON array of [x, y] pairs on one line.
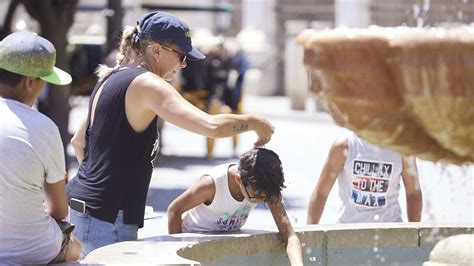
[[66, 244]]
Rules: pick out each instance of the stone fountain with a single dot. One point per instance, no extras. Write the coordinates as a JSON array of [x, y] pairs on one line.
[[407, 89]]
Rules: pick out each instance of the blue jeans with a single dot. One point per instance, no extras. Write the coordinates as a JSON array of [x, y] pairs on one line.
[[94, 233]]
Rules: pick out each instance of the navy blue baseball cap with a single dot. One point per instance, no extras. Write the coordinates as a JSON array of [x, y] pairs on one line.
[[162, 26]]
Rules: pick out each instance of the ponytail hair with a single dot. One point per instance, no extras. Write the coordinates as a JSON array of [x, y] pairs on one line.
[[129, 50]]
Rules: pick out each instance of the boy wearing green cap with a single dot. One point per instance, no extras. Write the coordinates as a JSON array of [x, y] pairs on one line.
[[32, 167]]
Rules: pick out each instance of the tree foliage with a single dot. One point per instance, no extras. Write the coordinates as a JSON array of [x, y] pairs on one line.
[[114, 25], [56, 18], [7, 23]]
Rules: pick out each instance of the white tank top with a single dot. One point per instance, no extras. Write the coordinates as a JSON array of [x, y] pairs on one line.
[[224, 213], [369, 183]]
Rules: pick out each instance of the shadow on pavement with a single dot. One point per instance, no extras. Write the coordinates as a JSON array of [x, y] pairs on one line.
[[160, 199]]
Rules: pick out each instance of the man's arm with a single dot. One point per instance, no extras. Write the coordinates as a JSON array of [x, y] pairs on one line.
[[414, 196], [289, 237], [200, 192], [331, 168], [156, 96], [56, 199], [78, 141]]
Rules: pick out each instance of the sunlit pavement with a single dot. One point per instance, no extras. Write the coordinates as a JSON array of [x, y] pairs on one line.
[[302, 139]]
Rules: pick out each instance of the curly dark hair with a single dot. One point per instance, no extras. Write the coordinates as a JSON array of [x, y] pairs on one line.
[[262, 170]]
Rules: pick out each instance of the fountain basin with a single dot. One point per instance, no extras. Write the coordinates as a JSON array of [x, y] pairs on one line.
[[345, 244], [407, 89]]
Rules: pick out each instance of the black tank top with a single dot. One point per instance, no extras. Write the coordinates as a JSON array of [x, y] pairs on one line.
[[118, 162]]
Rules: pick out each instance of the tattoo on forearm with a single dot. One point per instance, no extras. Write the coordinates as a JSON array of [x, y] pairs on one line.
[[241, 128]]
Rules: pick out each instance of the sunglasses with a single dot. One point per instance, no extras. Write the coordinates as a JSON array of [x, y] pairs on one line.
[[250, 198], [182, 55]]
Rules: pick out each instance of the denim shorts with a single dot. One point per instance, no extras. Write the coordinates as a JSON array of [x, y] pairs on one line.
[[94, 233]]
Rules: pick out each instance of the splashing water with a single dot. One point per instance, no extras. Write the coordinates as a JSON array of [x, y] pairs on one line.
[[345, 152], [376, 242], [426, 5], [412, 170], [345, 117], [365, 117], [434, 236], [419, 22], [428, 212], [447, 192], [416, 10], [420, 11]]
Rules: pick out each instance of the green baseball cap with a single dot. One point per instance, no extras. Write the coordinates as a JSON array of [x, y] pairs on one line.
[[30, 55]]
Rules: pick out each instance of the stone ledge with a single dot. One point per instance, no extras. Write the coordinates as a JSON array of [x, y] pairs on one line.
[[324, 243]]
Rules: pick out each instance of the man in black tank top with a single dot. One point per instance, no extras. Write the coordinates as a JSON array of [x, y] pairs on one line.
[[106, 156], [117, 143]]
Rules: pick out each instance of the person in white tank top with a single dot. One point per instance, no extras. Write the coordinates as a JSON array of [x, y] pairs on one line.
[[369, 182], [222, 199]]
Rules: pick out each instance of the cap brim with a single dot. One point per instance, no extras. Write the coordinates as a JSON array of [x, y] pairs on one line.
[[58, 77], [195, 55]]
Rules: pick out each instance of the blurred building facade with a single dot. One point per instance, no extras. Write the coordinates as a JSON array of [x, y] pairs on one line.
[[292, 17], [266, 28], [421, 12]]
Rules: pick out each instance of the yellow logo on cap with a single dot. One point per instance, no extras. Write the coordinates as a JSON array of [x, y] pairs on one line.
[[187, 34]]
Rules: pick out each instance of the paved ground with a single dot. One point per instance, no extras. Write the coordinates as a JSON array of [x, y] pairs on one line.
[[302, 139]]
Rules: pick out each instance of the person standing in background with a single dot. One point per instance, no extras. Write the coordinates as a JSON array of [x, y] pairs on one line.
[[116, 144], [32, 167], [369, 183]]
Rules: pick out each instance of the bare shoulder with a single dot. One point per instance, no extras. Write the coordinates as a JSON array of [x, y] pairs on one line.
[[339, 146], [148, 81], [206, 181], [206, 187], [147, 91]]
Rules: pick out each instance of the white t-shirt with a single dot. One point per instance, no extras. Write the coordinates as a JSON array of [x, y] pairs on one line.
[[369, 184], [31, 153], [224, 213]]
